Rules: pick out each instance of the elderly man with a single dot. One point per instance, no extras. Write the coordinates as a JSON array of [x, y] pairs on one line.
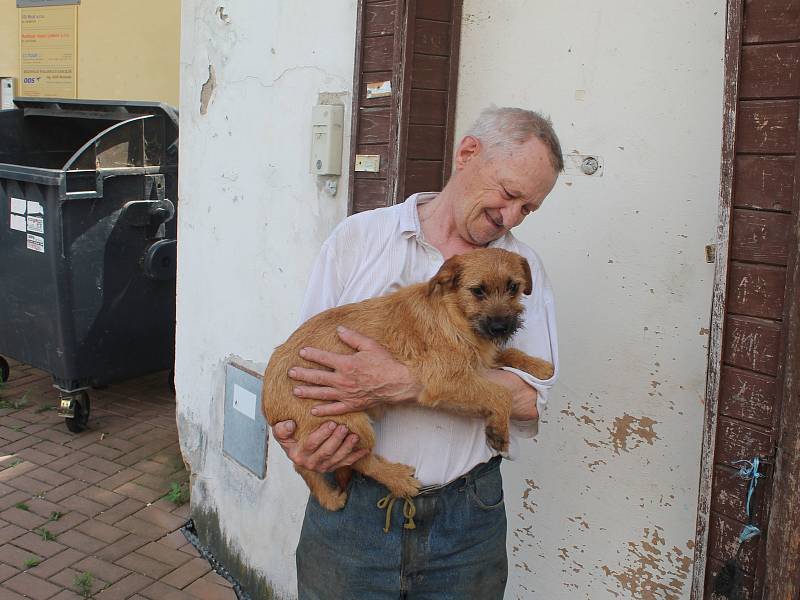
[[450, 542]]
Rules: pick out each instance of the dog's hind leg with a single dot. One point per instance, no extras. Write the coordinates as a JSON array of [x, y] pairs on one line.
[[329, 497], [398, 478], [516, 359]]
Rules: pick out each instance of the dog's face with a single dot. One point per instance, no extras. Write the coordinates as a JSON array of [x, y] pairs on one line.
[[486, 285]]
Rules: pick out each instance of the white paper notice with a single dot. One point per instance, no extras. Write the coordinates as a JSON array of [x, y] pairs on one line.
[[18, 205], [17, 222], [244, 401], [36, 224], [35, 243], [34, 208]]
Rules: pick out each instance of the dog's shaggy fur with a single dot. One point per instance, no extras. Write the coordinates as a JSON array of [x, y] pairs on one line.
[[447, 331]]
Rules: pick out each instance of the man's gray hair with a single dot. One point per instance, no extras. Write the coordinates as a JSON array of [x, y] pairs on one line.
[[504, 126]]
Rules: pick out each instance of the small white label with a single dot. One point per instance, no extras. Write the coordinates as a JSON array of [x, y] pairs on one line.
[[34, 208], [379, 89], [35, 243], [17, 222], [36, 224], [18, 205], [369, 163], [244, 401]]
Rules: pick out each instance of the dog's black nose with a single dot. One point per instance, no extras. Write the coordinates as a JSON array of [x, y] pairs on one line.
[[499, 327]]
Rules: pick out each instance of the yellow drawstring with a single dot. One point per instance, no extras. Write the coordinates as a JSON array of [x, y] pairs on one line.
[[409, 510]]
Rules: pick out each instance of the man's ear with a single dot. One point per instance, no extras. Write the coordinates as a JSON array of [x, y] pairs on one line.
[[467, 149], [528, 278], [448, 277]]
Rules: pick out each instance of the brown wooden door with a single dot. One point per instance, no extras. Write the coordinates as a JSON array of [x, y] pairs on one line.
[[753, 400], [407, 51]]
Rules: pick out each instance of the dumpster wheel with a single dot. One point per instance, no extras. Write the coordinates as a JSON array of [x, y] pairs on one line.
[[81, 407], [5, 370]]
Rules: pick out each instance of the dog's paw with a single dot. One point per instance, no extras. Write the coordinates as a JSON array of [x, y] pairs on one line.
[[497, 438], [403, 483], [333, 501]]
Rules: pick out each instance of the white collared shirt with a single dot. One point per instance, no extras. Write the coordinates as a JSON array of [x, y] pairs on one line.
[[376, 252]]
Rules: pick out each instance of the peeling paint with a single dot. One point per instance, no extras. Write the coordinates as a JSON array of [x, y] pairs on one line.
[[208, 90], [625, 427], [653, 572]]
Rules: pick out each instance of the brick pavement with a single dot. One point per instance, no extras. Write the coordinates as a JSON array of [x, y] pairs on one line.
[[72, 504]]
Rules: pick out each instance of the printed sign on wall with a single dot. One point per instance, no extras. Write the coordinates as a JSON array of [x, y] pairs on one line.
[[48, 52]]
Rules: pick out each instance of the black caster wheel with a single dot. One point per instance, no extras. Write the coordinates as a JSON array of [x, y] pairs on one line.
[[82, 407], [5, 370]]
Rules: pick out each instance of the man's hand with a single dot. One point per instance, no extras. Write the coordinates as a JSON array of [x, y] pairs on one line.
[[324, 450], [358, 381], [523, 404]]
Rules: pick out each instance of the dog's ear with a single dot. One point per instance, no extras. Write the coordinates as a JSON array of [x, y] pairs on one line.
[[528, 279], [448, 277]]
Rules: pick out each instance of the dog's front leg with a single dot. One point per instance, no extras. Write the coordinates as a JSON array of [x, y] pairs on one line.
[[472, 396], [516, 359]]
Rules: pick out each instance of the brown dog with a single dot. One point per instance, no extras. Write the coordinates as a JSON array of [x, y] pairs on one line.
[[447, 331]]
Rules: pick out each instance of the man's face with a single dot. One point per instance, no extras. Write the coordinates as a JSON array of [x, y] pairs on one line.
[[498, 189]]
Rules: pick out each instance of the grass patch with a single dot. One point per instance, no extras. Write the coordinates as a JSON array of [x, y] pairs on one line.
[[47, 536], [15, 404], [178, 493], [84, 582], [54, 516], [22, 506], [31, 562]]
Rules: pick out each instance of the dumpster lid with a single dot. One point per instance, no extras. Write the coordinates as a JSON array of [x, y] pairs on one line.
[[97, 109]]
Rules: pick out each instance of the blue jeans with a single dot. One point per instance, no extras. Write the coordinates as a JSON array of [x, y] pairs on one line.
[[457, 550]]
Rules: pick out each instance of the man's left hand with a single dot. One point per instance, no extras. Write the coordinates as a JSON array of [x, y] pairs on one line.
[[357, 381]]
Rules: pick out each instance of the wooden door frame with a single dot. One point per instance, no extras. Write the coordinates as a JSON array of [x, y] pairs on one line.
[[781, 575], [733, 45]]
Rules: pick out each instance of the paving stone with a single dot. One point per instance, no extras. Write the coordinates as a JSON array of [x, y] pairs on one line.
[[22, 518], [49, 476], [66, 579], [145, 565], [30, 485], [163, 591], [202, 589], [78, 471], [31, 586], [120, 548], [163, 519], [161, 553], [64, 491], [56, 449], [10, 532], [139, 492], [14, 556], [122, 510], [50, 566], [6, 572], [102, 496], [34, 543], [124, 476], [103, 569], [101, 465], [101, 531], [126, 587], [67, 520], [81, 542], [82, 505], [187, 573]]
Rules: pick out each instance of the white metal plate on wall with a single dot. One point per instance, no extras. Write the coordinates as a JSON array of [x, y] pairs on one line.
[[245, 433]]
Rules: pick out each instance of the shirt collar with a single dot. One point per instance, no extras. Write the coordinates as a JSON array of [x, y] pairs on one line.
[[409, 217]]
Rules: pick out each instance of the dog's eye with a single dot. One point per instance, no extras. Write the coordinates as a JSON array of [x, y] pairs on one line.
[[513, 286], [478, 291]]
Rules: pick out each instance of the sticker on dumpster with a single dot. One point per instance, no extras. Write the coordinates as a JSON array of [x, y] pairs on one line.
[[34, 208], [35, 243], [18, 205], [36, 224], [17, 222]]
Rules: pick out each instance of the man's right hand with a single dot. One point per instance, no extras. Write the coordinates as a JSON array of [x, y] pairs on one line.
[[326, 449]]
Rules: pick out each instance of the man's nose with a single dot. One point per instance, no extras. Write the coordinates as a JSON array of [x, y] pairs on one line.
[[512, 215]]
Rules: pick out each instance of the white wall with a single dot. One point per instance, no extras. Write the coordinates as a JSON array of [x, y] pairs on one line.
[[604, 504], [251, 222]]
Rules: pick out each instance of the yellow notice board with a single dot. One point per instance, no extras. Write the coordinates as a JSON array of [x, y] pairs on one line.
[[48, 48]]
